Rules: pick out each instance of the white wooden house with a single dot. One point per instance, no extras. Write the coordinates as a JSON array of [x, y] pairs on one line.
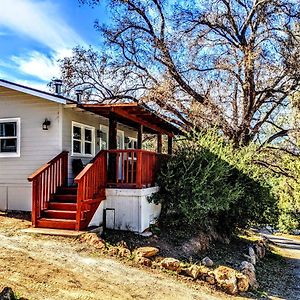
[[43, 135]]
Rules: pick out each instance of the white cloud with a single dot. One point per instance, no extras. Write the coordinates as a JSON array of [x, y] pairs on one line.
[[39, 20], [40, 65]]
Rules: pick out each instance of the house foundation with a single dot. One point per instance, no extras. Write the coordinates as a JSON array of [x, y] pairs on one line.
[[127, 209]]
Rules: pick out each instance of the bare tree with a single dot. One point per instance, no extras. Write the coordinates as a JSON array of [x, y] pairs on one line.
[[225, 63]]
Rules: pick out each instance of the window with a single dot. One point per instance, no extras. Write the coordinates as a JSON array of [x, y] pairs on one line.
[[83, 141], [10, 137]]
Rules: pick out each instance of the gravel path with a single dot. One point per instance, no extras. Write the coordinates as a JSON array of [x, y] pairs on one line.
[[290, 248]]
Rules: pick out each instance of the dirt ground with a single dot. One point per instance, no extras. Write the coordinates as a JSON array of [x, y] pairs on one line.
[[45, 267], [48, 267]]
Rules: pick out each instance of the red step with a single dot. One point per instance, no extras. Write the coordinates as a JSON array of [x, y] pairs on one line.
[[56, 223], [62, 206], [60, 214], [64, 198]]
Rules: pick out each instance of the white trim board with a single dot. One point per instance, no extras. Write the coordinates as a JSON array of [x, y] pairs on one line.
[[29, 91]]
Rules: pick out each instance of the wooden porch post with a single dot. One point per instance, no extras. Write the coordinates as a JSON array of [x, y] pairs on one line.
[[170, 145], [112, 134], [140, 137], [159, 143], [112, 144]]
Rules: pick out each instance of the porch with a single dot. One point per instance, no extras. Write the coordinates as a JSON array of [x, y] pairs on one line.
[[55, 204]]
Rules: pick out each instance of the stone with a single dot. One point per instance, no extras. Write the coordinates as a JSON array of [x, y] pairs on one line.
[[146, 234], [93, 240], [226, 279], [260, 251], [210, 278], [252, 255], [247, 265], [203, 272], [124, 252], [192, 271], [98, 230], [7, 294], [113, 251], [242, 282], [206, 261], [170, 263], [248, 269], [122, 244], [143, 261], [147, 251], [296, 232]]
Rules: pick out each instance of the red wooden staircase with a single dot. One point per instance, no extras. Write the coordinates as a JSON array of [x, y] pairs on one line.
[[56, 205], [61, 211]]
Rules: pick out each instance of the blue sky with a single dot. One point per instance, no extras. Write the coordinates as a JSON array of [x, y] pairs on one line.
[[34, 34]]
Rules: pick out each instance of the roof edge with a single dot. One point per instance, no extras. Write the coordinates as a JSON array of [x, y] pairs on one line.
[[34, 92]]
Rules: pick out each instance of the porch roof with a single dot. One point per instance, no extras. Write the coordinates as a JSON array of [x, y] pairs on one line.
[[134, 114]]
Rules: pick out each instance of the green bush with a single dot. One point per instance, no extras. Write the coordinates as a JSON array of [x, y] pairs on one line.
[[207, 184]]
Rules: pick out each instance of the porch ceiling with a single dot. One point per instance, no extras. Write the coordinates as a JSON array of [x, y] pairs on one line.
[[133, 114]]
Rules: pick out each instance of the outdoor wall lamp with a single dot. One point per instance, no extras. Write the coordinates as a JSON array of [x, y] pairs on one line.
[[46, 124]]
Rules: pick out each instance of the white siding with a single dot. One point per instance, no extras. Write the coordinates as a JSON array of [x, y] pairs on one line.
[[37, 146]]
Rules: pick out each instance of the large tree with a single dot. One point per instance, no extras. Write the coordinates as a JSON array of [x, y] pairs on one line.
[[225, 63]]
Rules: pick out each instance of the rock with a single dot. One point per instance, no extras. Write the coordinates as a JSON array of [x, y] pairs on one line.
[[206, 261], [122, 244], [113, 251], [124, 252], [143, 261], [98, 230], [249, 270], [248, 266], [210, 278], [270, 229], [260, 251], [7, 294], [296, 232], [192, 271], [226, 279], [146, 234], [242, 282], [252, 256], [203, 272], [93, 240], [147, 251], [171, 264]]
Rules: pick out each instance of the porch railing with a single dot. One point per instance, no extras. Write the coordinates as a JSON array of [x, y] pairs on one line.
[[131, 168], [45, 182], [91, 189]]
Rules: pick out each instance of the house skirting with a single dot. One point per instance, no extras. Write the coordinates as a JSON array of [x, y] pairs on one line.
[[127, 209], [15, 197]]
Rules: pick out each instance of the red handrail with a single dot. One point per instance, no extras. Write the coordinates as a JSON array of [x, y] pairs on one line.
[[132, 168], [45, 181], [91, 189]]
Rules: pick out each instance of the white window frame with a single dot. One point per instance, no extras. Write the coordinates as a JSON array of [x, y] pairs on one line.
[[18, 137], [83, 141]]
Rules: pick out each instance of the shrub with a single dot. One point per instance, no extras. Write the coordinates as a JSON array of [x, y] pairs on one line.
[[207, 184]]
